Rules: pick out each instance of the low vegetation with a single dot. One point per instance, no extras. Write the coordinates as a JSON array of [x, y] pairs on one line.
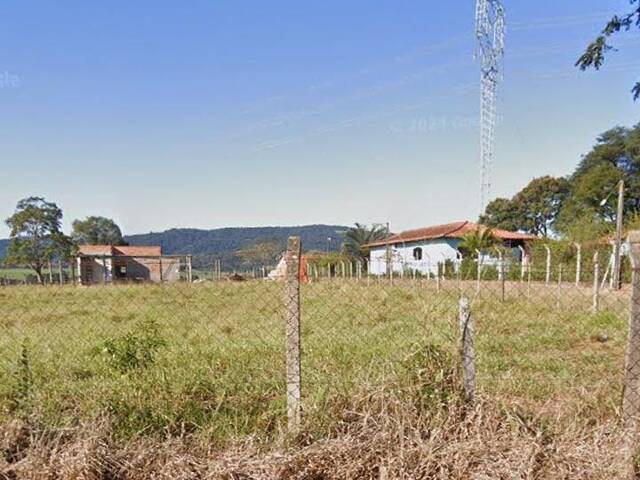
[[163, 371]]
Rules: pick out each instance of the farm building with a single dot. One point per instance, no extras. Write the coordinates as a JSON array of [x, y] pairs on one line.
[[97, 264], [424, 248]]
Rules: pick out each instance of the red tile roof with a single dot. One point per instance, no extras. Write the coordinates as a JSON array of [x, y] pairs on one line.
[[149, 251], [125, 250], [95, 249], [448, 230]]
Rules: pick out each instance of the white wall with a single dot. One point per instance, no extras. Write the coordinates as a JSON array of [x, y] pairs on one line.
[[433, 252]]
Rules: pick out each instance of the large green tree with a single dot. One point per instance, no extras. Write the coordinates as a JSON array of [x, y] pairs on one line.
[[502, 213], [534, 209], [97, 231], [36, 235], [596, 51], [359, 235], [539, 204], [614, 157]]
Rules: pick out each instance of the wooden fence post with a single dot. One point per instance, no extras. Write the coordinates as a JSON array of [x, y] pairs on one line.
[[467, 352], [292, 302], [631, 399]]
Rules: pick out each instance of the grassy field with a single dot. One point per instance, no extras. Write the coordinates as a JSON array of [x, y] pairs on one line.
[[15, 273], [164, 361], [211, 356]]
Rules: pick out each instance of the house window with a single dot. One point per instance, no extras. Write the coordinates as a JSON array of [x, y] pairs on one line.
[[417, 253]]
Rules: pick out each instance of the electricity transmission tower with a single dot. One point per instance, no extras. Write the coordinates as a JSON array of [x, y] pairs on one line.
[[490, 27]]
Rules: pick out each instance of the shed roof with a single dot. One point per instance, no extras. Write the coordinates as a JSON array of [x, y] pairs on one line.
[[448, 230]]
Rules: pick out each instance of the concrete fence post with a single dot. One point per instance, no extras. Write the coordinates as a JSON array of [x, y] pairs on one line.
[[631, 399], [292, 303], [548, 272], [596, 284], [479, 271], [467, 353], [60, 275], [72, 268], [104, 270], [502, 277], [559, 289], [578, 262], [522, 262], [189, 269]]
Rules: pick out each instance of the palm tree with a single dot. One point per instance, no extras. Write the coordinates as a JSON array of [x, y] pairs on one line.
[[359, 235], [479, 240]]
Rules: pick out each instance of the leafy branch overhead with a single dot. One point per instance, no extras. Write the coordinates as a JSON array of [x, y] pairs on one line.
[[595, 54], [573, 206]]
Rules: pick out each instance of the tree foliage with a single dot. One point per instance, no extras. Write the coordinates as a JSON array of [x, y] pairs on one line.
[[595, 53], [533, 210], [360, 235], [36, 235], [96, 231], [261, 253]]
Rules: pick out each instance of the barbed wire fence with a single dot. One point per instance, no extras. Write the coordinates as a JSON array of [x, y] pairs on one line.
[[269, 354]]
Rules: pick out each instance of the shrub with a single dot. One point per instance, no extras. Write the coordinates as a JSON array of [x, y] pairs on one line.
[[136, 349]]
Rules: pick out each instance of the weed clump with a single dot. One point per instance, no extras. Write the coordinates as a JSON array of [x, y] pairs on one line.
[[135, 349]]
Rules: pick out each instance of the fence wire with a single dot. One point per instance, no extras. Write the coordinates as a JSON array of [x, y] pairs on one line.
[[210, 355]]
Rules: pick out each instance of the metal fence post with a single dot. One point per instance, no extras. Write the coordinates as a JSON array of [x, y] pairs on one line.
[[631, 399], [292, 302], [467, 353]]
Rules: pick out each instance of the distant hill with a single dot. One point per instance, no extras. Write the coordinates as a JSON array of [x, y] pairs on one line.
[[221, 244]]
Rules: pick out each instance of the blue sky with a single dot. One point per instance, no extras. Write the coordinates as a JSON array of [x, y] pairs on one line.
[[208, 114]]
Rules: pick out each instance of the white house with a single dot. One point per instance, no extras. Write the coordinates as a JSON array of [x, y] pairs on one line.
[[424, 248]]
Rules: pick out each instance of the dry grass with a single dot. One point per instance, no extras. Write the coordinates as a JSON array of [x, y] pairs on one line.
[[456, 443]]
